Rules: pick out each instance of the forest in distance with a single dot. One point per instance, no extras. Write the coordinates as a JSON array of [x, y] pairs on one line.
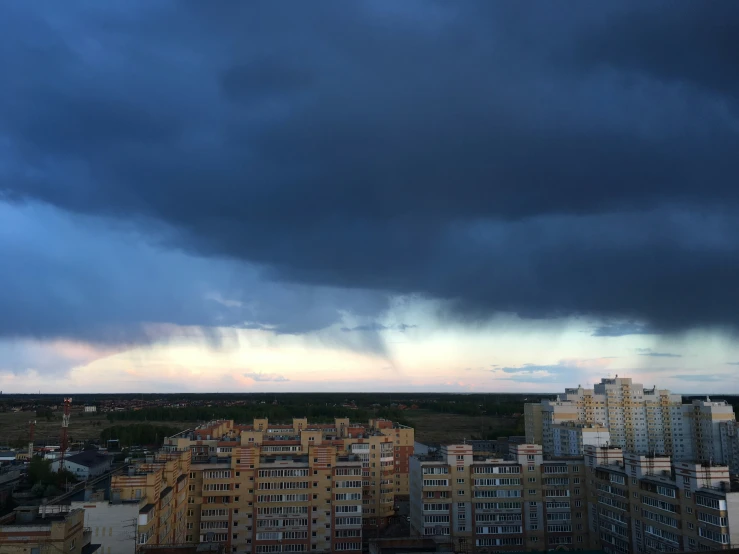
[[146, 418]]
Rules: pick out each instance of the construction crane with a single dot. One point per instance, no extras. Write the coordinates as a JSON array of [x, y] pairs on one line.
[[65, 424], [31, 429]]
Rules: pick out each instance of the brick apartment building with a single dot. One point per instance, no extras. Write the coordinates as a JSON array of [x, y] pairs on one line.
[[162, 485], [490, 504], [292, 488], [651, 504]]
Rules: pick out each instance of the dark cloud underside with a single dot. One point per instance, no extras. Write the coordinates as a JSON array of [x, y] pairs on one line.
[[554, 164]]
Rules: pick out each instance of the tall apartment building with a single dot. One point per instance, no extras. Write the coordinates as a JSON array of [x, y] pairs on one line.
[[517, 504], [293, 488], [706, 419], [638, 420], [161, 485], [651, 504], [729, 437]]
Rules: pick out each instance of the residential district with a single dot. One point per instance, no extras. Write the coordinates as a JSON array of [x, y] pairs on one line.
[[618, 468]]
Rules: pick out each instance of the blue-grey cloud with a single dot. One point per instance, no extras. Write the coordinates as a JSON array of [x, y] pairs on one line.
[[621, 330], [544, 164], [377, 327], [82, 279], [265, 377], [652, 354], [564, 371], [703, 377]]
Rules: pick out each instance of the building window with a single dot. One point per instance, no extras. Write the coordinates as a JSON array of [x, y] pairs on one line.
[[688, 494], [532, 479], [532, 468], [690, 525], [530, 457], [532, 491]]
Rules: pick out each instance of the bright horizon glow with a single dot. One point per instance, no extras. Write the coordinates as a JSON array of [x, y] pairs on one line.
[[509, 355]]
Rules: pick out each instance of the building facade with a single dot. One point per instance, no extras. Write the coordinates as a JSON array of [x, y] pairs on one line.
[[293, 488], [25, 531], [569, 438], [638, 419], [515, 504], [649, 503], [160, 488]]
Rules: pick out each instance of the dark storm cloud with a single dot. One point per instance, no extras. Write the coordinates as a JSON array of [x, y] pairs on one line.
[[693, 43], [483, 154]]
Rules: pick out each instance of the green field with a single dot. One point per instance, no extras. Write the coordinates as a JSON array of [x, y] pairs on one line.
[[440, 428], [14, 427]]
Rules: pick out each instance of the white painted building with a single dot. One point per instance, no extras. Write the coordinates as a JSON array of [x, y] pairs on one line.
[[113, 525], [91, 409], [84, 465], [639, 420]]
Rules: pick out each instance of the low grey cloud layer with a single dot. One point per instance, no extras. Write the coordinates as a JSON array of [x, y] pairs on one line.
[[650, 353], [266, 377], [490, 156]]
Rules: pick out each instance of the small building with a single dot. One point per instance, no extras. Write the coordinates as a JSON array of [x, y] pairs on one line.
[[84, 465], [569, 438], [91, 409], [25, 530]]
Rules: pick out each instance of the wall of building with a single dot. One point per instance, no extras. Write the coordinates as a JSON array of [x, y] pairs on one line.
[[524, 503], [113, 526]]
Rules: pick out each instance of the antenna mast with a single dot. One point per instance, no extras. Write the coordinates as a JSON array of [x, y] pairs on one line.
[[31, 429], [65, 424]]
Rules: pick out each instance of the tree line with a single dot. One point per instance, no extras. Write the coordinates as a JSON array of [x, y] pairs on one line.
[[136, 434]]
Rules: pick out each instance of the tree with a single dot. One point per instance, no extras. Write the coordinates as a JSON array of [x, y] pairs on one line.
[[39, 471], [38, 490]]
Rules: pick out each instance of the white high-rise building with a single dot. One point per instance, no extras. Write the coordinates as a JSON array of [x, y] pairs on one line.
[[639, 420]]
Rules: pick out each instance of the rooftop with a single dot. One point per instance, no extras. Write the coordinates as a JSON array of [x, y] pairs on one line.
[[29, 516], [89, 458]]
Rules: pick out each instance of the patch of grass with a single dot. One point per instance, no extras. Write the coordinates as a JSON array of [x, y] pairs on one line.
[[14, 427]]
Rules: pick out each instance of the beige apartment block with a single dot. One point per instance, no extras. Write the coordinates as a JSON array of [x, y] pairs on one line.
[[295, 487], [649, 503], [162, 483], [493, 504]]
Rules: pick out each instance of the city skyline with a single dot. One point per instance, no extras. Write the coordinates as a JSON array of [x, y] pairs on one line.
[[368, 196]]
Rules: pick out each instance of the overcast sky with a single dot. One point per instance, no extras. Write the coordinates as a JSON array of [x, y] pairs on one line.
[[368, 195]]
